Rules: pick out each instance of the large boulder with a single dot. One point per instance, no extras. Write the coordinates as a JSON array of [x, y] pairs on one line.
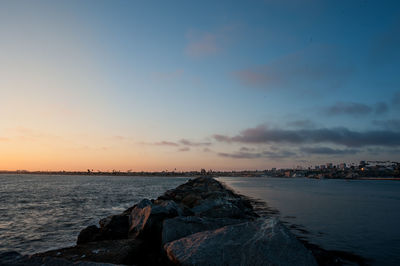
[[222, 208], [179, 227], [146, 218], [111, 228], [261, 242]]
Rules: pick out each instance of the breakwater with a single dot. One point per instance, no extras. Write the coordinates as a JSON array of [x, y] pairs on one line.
[[198, 223]]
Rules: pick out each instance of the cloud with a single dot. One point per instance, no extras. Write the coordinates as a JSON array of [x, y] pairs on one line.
[[315, 67], [207, 150], [194, 144], [327, 151], [396, 99], [381, 108], [255, 155], [203, 45], [301, 124], [355, 109], [338, 136], [184, 149], [348, 108], [166, 143], [390, 124], [246, 149], [240, 155]]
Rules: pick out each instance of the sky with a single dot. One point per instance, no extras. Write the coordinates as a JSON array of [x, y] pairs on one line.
[[185, 85]]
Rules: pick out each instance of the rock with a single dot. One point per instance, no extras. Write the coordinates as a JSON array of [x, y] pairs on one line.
[[89, 234], [220, 208], [146, 218], [261, 242], [138, 218], [114, 227], [179, 227], [125, 251]]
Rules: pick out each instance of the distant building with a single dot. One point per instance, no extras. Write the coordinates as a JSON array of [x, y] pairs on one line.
[[342, 166], [329, 165]]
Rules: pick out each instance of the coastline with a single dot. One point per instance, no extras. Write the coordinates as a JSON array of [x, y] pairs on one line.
[[219, 201]]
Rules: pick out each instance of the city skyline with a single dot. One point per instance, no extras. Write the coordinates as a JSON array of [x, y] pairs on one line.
[[224, 85]]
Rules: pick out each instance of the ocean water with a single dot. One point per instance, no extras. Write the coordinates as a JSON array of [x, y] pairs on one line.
[[42, 212], [358, 216]]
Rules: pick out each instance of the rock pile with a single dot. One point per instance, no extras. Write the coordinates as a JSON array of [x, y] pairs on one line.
[[198, 223]]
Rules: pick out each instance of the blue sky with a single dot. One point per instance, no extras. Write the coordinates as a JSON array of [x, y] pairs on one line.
[[122, 83]]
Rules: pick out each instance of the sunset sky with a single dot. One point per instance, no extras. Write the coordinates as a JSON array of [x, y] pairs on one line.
[[229, 85]]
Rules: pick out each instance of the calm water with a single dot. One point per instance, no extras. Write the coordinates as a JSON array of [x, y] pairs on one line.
[[358, 216], [39, 212]]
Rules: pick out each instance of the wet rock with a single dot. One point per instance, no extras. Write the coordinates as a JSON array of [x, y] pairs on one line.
[[89, 234], [125, 251], [114, 227], [179, 227], [262, 242]]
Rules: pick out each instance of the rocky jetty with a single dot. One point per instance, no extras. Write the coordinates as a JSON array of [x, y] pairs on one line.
[[201, 222]]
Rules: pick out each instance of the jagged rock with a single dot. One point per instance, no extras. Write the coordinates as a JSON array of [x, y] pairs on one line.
[[124, 251], [262, 242], [146, 218], [179, 227], [114, 227], [221, 208], [89, 234]]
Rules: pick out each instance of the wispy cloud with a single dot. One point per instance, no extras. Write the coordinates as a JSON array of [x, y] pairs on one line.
[[202, 44], [255, 155], [391, 124], [327, 151], [166, 143], [301, 124], [355, 109], [315, 67], [192, 143], [184, 149], [338, 136], [396, 99]]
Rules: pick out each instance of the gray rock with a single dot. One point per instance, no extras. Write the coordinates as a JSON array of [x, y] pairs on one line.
[[179, 227], [262, 242], [219, 208]]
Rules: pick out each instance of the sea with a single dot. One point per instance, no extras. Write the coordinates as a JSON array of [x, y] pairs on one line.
[[43, 212], [356, 216]]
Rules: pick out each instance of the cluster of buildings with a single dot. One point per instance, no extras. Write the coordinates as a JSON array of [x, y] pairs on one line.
[[365, 169]]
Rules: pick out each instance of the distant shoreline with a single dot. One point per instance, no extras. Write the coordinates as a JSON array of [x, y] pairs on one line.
[[178, 174]]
